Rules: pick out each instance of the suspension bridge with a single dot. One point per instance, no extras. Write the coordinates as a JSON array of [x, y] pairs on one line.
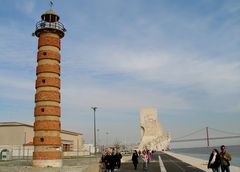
[[207, 137]]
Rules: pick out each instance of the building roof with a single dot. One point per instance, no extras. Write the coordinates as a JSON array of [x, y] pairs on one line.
[[3, 124], [14, 124]]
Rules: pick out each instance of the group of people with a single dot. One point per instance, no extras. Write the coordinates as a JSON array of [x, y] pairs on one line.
[[110, 160], [219, 159], [145, 156]]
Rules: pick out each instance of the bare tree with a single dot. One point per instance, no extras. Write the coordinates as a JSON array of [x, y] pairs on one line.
[[117, 144]]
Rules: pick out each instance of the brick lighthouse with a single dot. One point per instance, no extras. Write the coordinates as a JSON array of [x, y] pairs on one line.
[[47, 125]]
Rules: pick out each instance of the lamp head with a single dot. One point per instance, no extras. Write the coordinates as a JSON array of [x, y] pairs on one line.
[[94, 108]]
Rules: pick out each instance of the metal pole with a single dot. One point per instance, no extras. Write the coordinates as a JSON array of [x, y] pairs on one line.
[[94, 120], [25, 138], [107, 139], [207, 136], [77, 147], [98, 141]]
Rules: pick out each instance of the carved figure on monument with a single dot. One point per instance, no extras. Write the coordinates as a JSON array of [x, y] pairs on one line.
[[152, 135]]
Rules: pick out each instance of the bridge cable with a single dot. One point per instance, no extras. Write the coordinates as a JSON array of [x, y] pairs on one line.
[[222, 131], [194, 132]]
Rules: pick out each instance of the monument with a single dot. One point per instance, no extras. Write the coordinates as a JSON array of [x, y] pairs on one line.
[[152, 135], [47, 125]]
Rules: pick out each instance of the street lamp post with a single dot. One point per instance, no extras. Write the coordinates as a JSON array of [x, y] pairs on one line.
[[107, 138], [94, 121], [98, 140]]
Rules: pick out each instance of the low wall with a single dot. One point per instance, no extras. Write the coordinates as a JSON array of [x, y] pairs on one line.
[[79, 153], [26, 152]]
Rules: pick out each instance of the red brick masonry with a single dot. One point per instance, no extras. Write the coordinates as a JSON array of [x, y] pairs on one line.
[[49, 40], [48, 96], [48, 54], [47, 81], [48, 68], [47, 140], [47, 110], [47, 125], [46, 155]]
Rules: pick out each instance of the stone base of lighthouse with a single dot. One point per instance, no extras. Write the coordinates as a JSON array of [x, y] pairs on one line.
[[47, 163]]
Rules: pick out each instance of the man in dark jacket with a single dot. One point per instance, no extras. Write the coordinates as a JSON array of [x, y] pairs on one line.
[[118, 157], [110, 161], [135, 159]]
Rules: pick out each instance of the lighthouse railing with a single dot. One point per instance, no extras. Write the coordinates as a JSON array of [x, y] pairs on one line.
[[53, 25]]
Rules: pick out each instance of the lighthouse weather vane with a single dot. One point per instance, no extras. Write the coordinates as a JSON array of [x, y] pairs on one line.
[[51, 4]]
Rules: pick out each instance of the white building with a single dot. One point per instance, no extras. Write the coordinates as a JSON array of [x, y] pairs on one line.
[[16, 140]]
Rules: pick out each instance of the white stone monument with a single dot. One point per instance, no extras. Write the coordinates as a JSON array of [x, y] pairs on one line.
[[152, 135]]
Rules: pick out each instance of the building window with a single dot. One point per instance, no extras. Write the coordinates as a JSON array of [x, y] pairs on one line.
[[66, 147]]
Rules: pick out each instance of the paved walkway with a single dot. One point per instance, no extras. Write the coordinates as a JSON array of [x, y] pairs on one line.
[[161, 163]]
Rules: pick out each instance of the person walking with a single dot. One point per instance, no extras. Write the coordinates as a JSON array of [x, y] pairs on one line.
[[145, 160], [135, 159], [102, 167], [214, 161], [149, 156], [225, 158], [118, 157], [110, 161]]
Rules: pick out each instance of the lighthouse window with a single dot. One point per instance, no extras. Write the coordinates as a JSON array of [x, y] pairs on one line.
[[42, 139], [42, 109], [43, 81], [44, 53]]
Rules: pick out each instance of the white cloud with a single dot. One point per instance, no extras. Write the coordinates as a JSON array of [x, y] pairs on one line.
[[81, 92], [169, 68]]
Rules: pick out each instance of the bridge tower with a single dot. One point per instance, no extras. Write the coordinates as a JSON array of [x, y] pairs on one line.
[[47, 125]]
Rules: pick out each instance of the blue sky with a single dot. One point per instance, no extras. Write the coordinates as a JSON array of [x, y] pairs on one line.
[[181, 57]]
